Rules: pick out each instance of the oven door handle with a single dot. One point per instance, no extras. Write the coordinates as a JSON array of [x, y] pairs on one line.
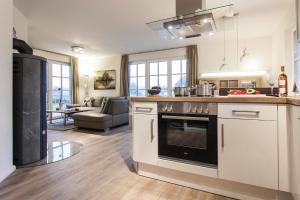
[[206, 119]]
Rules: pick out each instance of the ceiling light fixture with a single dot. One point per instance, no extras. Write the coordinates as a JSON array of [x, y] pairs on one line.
[[180, 38], [205, 20], [77, 49], [211, 33], [170, 27]]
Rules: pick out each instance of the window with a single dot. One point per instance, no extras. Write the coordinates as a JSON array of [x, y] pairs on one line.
[[137, 82], [166, 73], [60, 89], [178, 73], [159, 76], [296, 62]]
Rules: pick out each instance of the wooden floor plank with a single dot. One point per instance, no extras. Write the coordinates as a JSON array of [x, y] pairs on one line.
[[102, 170]]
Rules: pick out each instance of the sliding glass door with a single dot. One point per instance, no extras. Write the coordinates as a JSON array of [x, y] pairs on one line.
[[59, 85]]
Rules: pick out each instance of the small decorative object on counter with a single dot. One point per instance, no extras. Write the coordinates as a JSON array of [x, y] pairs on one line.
[[154, 91], [283, 83]]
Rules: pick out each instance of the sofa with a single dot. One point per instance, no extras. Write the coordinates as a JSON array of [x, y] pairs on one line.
[[103, 117]]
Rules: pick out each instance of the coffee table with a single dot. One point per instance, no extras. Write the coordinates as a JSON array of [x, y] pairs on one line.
[[66, 113]]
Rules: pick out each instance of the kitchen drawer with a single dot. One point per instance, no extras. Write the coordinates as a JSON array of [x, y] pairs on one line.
[[145, 108], [248, 111]]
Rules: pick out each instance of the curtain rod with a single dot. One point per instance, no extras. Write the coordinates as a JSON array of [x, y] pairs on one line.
[[158, 50], [52, 52]]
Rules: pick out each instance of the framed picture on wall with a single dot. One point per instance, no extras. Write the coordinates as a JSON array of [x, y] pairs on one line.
[[105, 80]]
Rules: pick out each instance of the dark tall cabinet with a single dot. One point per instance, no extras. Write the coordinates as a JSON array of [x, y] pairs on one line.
[[29, 108]]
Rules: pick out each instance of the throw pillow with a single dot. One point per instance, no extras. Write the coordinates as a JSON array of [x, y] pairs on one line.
[[103, 104], [90, 102], [97, 101]]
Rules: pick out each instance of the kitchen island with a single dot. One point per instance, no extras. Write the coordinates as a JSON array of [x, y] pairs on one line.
[[255, 144]]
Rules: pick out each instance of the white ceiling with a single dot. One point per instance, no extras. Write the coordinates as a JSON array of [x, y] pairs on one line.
[[108, 27]]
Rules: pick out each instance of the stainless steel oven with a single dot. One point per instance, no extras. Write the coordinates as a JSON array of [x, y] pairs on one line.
[[187, 132]]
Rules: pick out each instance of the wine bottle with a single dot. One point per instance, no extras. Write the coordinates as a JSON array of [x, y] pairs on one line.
[[283, 83]]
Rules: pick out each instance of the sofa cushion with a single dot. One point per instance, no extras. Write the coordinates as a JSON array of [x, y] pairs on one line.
[[92, 116]]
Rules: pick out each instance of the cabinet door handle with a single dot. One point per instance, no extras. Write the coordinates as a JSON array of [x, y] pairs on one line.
[[143, 109], [245, 112], [152, 134], [222, 134]]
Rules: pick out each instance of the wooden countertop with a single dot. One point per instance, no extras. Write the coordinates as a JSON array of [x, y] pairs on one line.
[[294, 100], [223, 99]]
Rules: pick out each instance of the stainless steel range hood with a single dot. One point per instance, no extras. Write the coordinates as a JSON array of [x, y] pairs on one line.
[[192, 20], [184, 7]]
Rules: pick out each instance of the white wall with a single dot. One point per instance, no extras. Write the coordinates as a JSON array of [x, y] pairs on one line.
[[21, 24], [52, 56], [211, 54], [87, 66], [6, 152], [282, 46]]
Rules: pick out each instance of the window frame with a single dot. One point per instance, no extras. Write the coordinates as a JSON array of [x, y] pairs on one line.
[[137, 76], [181, 74], [50, 81], [147, 72]]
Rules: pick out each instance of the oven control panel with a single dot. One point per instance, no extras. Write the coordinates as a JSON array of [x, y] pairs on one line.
[[188, 108]]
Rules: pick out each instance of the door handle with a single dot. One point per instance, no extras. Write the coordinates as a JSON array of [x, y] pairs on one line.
[[152, 134], [222, 136]]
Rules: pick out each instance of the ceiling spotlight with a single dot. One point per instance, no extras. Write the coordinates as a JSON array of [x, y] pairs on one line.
[[211, 33], [181, 38], [205, 20], [170, 27], [77, 49]]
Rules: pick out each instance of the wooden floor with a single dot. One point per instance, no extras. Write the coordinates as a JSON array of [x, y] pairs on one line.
[[103, 170]]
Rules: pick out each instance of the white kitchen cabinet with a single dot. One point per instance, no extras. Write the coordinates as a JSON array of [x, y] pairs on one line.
[[145, 142], [248, 148], [295, 151]]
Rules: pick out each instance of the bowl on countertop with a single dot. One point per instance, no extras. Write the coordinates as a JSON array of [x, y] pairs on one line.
[[154, 91]]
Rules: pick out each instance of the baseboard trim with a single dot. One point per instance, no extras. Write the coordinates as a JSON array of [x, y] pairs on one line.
[[211, 185], [4, 174]]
